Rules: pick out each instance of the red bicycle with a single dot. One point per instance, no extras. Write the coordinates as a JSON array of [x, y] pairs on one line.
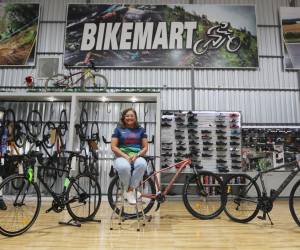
[[202, 191], [84, 78]]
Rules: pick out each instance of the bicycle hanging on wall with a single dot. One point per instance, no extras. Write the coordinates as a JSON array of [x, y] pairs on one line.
[[82, 80]]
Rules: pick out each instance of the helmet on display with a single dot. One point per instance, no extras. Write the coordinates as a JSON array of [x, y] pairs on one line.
[[29, 81]]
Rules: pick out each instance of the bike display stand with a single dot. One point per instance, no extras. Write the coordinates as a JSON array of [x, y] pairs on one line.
[[120, 205], [76, 223], [71, 222]]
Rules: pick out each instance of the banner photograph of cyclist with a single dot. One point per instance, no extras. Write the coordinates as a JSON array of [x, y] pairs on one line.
[[290, 24], [18, 34], [124, 35]]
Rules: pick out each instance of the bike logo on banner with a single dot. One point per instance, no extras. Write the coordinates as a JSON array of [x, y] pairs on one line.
[[218, 35]]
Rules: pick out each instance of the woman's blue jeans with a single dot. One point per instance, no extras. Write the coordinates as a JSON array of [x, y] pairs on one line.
[[128, 178]]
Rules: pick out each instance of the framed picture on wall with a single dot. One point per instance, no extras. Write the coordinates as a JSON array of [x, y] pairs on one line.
[[162, 36], [290, 33], [18, 33]]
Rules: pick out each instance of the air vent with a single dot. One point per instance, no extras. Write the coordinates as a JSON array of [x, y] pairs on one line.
[[48, 66]]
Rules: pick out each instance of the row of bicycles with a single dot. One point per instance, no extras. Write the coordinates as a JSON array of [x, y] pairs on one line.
[[46, 165], [205, 194]]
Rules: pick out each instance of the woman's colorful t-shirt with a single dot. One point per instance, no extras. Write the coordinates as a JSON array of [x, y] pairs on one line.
[[130, 139]]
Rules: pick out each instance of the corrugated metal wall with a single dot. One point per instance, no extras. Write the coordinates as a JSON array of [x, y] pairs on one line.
[[214, 89]]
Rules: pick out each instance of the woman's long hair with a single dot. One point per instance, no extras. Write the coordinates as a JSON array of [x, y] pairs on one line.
[[122, 119]]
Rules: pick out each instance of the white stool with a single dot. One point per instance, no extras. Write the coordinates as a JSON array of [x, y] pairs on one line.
[[119, 209]]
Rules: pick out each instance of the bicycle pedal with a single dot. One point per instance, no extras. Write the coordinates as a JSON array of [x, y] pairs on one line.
[[49, 210]]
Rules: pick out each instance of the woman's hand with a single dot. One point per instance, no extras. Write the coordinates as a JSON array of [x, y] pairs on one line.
[[133, 158]]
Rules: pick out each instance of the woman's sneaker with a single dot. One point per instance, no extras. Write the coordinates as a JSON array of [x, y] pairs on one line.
[[130, 197]]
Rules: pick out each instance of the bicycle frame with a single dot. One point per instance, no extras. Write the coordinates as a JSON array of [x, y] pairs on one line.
[[41, 179], [274, 195], [180, 167], [81, 78]]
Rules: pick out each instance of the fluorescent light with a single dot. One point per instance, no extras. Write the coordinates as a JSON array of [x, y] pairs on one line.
[[133, 99], [51, 99], [103, 99]]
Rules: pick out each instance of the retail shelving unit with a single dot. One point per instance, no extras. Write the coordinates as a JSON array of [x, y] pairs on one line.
[[75, 98]]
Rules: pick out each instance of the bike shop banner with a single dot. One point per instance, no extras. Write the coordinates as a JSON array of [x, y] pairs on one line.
[[123, 35], [290, 27], [18, 33]]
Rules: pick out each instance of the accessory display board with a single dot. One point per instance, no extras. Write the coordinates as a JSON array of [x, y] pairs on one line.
[[212, 139], [265, 147]]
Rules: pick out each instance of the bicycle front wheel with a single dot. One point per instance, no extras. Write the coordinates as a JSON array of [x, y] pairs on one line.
[[202, 195], [34, 123], [115, 192], [21, 205], [98, 81], [83, 197], [242, 194], [294, 202]]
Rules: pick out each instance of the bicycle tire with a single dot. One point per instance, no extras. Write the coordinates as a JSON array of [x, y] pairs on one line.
[[210, 195], [20, 132], [86, 190], [241, 198], [63, 122], [34, 123], [95, 132], [83, 123], [114, 190], [25, 196], [58, 81], [47, 134], [294, 202], [98, 81]]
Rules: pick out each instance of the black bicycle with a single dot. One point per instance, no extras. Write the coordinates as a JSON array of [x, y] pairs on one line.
[[80, 195], [244, 198]]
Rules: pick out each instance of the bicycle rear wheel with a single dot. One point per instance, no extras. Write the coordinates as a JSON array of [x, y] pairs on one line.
[[63, 122], [57, 81], [23, 201], [202, 195], [34, 123], [20, 132], [84, 197], [294, 202], [114, 195], [242, 194]]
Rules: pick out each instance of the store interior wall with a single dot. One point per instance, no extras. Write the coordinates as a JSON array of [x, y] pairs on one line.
[[267, 95]]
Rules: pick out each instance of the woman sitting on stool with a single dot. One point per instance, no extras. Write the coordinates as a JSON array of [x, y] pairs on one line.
[[129, 142]]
